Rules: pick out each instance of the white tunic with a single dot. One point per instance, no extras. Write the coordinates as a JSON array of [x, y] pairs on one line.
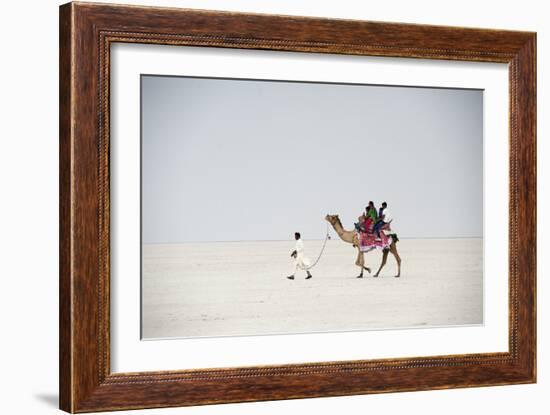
[[387, 215], [301, 261]]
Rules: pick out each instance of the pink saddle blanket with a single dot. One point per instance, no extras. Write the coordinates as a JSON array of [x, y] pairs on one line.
[[370, 241]]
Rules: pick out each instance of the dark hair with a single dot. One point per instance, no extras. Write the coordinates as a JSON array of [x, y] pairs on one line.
[[297, 235], [371, 203], [384, 204]]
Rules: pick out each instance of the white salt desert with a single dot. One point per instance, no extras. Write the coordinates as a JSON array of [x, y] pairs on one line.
[[240, 288]]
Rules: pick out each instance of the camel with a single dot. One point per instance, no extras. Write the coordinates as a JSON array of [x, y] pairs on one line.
[[352, 238]]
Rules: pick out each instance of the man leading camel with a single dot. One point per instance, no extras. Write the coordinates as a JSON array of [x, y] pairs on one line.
[[300, 261]]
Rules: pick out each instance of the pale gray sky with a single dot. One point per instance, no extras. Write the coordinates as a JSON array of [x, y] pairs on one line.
[[232, 160]]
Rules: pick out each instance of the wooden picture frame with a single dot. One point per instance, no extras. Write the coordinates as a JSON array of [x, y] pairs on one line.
[[86, 33]]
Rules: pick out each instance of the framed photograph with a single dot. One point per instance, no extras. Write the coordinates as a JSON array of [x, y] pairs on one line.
[[258, 207]]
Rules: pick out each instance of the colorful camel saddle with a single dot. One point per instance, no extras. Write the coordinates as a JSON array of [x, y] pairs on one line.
[[370, 241]]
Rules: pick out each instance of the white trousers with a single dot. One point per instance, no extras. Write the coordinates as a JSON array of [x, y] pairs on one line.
[[300, 263]]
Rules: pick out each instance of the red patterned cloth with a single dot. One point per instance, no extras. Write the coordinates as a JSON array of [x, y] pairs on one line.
[[368, 241], [369, 224]]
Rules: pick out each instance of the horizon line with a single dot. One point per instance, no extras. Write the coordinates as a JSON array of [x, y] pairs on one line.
[[291, 240]]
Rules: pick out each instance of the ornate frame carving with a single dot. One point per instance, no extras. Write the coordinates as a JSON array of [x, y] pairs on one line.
[[86, 33]]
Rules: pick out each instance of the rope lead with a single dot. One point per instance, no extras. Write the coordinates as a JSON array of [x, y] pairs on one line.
[[322, 249]]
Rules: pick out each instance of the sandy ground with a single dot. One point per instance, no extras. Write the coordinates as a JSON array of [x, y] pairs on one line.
[[239, 288]]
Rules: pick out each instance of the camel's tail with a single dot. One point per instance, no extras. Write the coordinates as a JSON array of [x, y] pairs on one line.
[[394, 237]]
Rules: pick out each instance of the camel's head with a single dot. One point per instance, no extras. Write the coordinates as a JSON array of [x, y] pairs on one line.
[[332, 219]]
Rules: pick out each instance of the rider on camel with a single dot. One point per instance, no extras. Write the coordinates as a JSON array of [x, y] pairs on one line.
[[367, 219], [384, 218]]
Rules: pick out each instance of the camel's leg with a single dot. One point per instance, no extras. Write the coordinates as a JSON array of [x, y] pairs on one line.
[[384, 259], [363, 266], [360, 261], [393, 250]]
